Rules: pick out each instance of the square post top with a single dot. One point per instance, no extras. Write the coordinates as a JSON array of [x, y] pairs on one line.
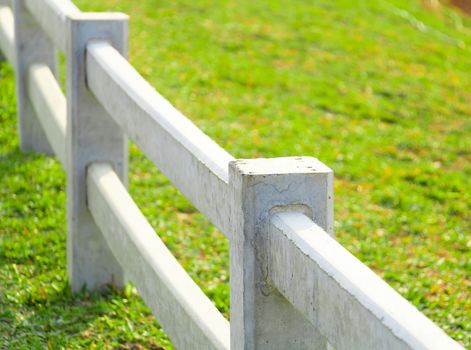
[[279, 166], [263, 186]]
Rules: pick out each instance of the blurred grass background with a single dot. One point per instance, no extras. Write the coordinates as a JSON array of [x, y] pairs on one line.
[[378, 90]]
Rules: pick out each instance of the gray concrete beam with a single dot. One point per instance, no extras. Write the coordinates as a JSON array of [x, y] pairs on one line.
[[342, 297], [193, 162], [188, 317], [7, 34], [50, 106], [51, 15]]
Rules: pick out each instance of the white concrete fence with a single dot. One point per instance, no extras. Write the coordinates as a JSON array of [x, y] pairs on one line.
[[292, 285]]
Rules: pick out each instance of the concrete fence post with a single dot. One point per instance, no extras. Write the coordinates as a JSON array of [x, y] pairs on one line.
[[91, 136], [32, 45], [261, 318]]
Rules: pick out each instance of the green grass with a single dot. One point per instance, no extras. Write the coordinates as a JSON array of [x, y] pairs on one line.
[[378, 90]]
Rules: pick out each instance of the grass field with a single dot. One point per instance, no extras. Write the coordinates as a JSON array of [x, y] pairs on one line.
[[378, 90]]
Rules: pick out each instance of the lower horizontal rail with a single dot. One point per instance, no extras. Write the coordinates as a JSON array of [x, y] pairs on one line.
[[7, 33], [50, 105], [185, 313], [349, 304]]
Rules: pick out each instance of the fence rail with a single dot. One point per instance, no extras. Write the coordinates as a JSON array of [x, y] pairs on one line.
[[155, 125], [7, 36], [292, 285], [52, 17], [50, 106], [164, 285], [339, 294]]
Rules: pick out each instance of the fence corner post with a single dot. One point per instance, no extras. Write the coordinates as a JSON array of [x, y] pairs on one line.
[[92, 135], [261, 318], [32, 44]]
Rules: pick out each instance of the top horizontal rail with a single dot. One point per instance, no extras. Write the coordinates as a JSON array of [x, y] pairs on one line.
[[52, 17], [342, 297], [191, 160]]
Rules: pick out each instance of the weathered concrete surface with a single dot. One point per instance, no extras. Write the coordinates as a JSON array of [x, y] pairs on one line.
[[50, 106], [91, 136], [185, 313], [260, 317], [347, 302], [31, 45]]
